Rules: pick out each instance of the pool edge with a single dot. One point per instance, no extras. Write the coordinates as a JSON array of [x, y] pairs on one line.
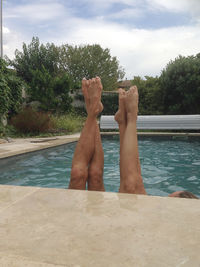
[[30, 146]]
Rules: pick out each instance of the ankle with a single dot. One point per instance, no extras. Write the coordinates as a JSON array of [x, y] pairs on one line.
[[91, 116], [131, 117], [121, 123]]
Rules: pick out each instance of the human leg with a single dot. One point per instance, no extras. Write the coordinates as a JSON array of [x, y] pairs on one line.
[[121, 119], [86, 145], [95, 170], [120, 115], [130, 177]]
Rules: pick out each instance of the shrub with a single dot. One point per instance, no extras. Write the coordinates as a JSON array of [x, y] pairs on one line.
[[110, 103], [81, 111], [150, 95], [10, 90], [109, 100], [5, 92], [30, 121], [2, 130], [69, 123], [180, 83]]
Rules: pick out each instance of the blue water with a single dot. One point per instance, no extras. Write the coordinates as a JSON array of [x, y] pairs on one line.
[[167, 165]]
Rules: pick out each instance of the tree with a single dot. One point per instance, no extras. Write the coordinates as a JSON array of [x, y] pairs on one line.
[[51, 92], [5, 92], [180, 83], [33, 57], [150, 95], [10, 90], [38, 65], [89, 61]]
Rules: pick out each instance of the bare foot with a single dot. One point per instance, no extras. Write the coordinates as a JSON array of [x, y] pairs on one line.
[[120, 115], [131, 103], [94, 91], [85, 85]]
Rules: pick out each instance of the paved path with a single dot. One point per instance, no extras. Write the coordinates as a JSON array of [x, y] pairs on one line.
[[23, 145]]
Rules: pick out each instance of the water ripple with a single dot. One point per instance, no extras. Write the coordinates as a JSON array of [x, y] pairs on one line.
[[167, 166]]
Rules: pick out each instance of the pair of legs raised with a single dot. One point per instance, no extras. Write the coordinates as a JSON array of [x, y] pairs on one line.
[[88, 160]]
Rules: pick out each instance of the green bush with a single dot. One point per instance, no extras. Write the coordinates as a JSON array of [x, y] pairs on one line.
[[110, 103], [30, 121], [10, 90], [5, 92], [15, 84], [39, 66], [81, 111], [52, 92], [2, 130], [180, 83], [150, 95], [69, 123]]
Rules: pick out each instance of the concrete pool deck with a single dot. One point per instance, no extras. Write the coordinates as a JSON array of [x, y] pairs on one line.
[[19, 146], [41, 227], [59, 227]]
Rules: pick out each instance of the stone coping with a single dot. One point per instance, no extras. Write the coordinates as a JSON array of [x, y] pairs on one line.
[[24, 145], [60, 227], [19, 146], [157, 134]]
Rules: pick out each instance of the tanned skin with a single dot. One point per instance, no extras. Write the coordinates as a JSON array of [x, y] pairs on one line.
[[88, 160]]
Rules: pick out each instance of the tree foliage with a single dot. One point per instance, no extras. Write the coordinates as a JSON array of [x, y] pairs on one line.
[[150, 95], [52, 92], [38, 65], [180, 84], [10, 90], [35, 56], [5, 92], [90, 61], [51, 71]]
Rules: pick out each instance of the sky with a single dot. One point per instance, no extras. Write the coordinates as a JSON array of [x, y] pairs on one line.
[[144, 35]]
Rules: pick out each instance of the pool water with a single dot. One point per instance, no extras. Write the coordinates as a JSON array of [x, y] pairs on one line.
[[167, 165]]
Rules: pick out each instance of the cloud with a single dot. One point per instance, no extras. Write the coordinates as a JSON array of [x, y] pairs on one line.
[[108, 3], [5, 30], [169, 5], [185, 6], [127, 13], [140, 51], [12, 41], [36, 12]]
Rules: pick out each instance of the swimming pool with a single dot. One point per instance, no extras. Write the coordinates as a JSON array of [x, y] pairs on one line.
[[168, 165]]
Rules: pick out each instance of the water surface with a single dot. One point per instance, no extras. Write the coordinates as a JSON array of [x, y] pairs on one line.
[[167, 165]]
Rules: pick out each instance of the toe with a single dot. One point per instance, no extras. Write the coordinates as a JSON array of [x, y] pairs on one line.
[[134, 89], [84, 81], [88, 83], [123, 92], [99, 84], [120, 91]]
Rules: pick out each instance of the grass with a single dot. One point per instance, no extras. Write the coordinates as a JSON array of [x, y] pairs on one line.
[[69, 123]]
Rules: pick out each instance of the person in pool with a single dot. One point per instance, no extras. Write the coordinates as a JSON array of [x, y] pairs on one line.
[[88, 160]]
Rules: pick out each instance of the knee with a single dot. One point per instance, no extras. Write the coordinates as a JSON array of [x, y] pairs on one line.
[[129, 186], [95, 181], [95, 172], [78, 177]]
